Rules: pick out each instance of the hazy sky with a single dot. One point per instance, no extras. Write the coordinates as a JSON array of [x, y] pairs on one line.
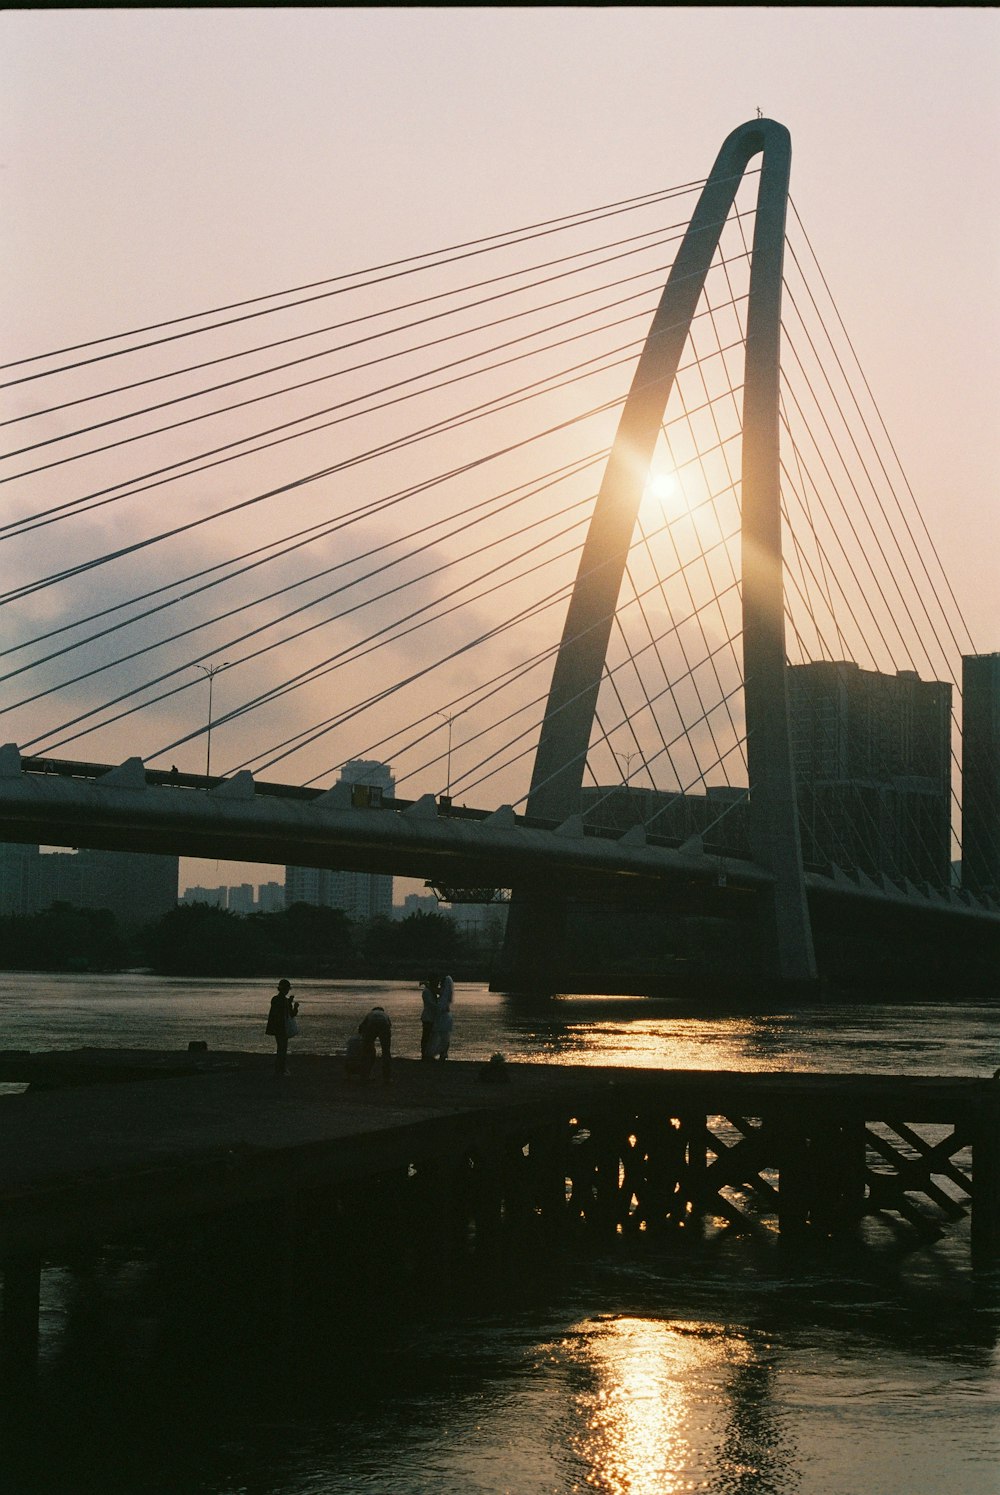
[[159, 162]]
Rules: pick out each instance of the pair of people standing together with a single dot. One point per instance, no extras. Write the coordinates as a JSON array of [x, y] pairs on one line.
[[436, 1020]]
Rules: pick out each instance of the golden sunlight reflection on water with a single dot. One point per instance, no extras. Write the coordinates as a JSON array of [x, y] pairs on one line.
[[745, 1043], [658, 1401]]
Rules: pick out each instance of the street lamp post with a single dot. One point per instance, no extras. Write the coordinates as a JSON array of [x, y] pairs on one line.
[[449, 719], [210, 671], [628, 765]]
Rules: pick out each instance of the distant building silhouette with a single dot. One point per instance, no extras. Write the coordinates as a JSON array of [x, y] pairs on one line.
[[138, 887], [19, 878], [872, 755], [241, 899], [981, 774], [415, 903], [361, 895], [270, 897], [478, 919], [214, 897], [719, 816]]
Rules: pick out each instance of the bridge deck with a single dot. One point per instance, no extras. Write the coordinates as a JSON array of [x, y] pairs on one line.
[[126, 1139]]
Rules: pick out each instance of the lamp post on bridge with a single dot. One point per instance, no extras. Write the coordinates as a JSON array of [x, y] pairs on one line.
[[210, 671], [628, 766], [629, 804], [445, 716]]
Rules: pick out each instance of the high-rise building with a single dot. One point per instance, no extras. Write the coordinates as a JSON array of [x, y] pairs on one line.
[[981, 774], [240, 899], [718, 816], [872, 755], [306, 885], [138, 887], [19, 876], [271, 897], [361, 895], [214, 897]]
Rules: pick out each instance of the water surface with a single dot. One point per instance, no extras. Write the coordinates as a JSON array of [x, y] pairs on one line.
[[732, 1369]]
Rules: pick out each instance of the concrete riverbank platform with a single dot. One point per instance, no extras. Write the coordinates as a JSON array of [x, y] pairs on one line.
[[106, 1141], [102, 1139], [135, 1149]]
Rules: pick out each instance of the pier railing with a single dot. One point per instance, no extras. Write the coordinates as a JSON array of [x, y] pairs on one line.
[[440, 1168], [793, 1156]]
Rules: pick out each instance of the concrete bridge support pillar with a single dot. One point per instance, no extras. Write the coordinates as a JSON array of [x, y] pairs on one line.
[[786, 937], [787, 943], [532, 960]]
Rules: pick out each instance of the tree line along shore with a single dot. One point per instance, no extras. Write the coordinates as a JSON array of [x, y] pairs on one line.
[[200, 940]]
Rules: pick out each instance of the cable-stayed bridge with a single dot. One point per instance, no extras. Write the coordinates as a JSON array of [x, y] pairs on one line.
[[592, 525]]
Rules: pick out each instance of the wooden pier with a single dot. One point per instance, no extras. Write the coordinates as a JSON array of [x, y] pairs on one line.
[[118, 1146]]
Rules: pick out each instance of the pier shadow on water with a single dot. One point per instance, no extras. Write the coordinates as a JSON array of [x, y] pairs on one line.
[[729, 1365]]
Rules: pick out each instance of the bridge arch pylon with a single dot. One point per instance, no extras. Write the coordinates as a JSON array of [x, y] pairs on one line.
[[557, 777]]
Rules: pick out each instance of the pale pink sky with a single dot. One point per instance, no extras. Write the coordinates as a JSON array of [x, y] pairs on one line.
[[155, 162]]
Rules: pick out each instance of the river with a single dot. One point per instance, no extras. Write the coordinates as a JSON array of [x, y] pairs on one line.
[[725, 1370]]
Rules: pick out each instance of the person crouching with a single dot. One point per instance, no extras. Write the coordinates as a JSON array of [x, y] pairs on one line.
[[376, 1028]]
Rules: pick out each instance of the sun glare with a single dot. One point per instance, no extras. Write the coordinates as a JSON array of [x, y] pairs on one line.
[[664, 485], [664, 498]]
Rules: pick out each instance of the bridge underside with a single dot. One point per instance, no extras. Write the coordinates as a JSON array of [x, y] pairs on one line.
[[629, 918], [703, 944], [129, 808]]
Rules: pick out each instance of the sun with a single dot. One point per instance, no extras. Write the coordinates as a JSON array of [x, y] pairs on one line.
[[663, 498], [663, 485]]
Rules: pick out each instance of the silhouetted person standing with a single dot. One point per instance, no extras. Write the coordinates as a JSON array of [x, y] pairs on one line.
[[280, 1024], [428, 1016]]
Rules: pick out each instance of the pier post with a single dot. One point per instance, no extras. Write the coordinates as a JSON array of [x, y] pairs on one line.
[[794, 1176], [547, 1175], [821, 1174], [488, 1202], [604, 1208], [985, 1225], [694, 1132], [662, 1144], [837, 1175], [22, 1275]]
